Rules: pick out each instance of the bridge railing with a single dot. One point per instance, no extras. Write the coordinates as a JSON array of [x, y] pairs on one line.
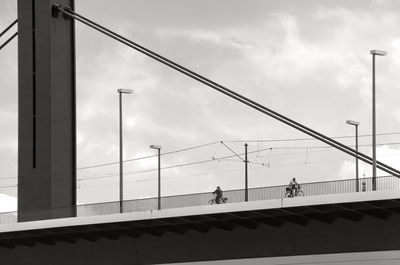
[[197, 199], [261, 193], [8, 217]]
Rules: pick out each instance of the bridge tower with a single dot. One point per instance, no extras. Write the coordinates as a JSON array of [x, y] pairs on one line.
[[46, 107]]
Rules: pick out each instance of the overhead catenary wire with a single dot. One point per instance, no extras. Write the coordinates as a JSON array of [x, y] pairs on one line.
[[212, 159], [240, 141], [232, 151], [150, 156], [216, 172], [113, 174], [169, 178], [72, 14], [269, 155]]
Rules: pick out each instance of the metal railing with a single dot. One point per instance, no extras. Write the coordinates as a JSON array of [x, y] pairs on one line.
[[255, 194]]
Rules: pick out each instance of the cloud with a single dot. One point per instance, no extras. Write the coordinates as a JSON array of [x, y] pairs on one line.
[[396, 114], [385, 154], [347, 170], [389, 156]]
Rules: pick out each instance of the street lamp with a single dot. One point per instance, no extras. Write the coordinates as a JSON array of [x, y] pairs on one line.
[[159, 174], [355, 123], [121, 181], [374, 53], [246, 178]]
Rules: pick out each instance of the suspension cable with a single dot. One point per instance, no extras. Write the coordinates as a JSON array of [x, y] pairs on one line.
[[70, 13], [10, 26], [9, 39]]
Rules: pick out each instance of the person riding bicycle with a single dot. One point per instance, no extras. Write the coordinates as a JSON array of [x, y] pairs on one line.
[[218, 195], [293, 186]]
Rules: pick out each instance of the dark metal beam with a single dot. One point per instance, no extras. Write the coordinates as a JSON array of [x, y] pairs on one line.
[[24, 242], [152, 231], [350, 215], [92, 237], [377, 213], [129, 232], [66, 238], [45, 240], [322, 217], [177, 229], [8, 245], [221, 225], [198, 227], [245, 223], [297, 219]]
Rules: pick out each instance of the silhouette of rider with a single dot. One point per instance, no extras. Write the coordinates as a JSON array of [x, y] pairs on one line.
[[218, 195], [293, 185]]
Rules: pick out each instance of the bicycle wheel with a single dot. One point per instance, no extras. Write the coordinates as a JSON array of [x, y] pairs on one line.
[[300, 193]]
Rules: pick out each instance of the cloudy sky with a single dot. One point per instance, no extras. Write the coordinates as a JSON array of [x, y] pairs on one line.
[[308, 61]]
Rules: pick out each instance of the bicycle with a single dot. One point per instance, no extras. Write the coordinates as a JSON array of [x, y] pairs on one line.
[[221, 201], [294, 192]]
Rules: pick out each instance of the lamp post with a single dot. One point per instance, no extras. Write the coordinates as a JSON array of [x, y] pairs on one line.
[[355, 123], [121, 180], [159, 175], [374, 53], [246, 179]]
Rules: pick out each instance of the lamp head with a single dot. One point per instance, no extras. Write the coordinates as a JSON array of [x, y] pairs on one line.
[[355, 123], [155, 147], [124, 91], [378, 52]]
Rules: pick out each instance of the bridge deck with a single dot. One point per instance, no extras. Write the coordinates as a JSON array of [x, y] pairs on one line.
[[326, 209]]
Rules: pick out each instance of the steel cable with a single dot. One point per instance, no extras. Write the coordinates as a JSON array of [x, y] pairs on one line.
[[70, 13]]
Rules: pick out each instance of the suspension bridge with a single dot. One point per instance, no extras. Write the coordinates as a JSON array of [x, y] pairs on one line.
[[50, 227]]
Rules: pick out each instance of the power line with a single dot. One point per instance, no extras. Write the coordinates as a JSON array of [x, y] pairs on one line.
[[168, 178], [226, 158], [200, 174], [232, 151], [221, 172], [150, 156], [236, 141], [163, 168]]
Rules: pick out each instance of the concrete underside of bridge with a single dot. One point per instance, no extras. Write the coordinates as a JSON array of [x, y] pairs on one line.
[[236, 231]]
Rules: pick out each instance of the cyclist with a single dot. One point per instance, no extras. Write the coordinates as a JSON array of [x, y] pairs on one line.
[[218, 195], [293, 186]]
